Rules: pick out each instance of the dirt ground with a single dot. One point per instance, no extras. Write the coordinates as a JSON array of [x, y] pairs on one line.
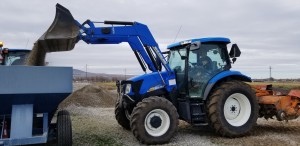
[[97, 126]]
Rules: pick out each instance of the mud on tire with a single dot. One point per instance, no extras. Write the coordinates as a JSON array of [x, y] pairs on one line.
[[154, 120], [232, 109]]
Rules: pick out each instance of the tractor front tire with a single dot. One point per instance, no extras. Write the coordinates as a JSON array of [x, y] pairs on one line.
[[154, 120], [232, 109], [120, 114], [64, 129]]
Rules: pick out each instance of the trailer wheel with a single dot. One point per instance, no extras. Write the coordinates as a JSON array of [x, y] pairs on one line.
[[64, 129], [154, 120], [122, 115], [281, 115], [232, 109]]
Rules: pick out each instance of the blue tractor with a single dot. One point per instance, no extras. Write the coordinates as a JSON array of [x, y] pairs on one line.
[[194, 83], [9, 56]]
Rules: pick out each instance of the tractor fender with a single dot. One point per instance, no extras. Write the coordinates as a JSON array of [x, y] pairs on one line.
[[224, 76]]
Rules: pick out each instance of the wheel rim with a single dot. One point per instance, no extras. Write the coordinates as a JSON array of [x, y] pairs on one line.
[[237, 109], [157, 122]]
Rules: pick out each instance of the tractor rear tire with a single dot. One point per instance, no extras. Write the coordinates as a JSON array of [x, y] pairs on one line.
[[232, 109], [154, 120], [120, 114], [64, 129]]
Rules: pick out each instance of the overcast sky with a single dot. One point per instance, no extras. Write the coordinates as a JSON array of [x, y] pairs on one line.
[[267, 31]]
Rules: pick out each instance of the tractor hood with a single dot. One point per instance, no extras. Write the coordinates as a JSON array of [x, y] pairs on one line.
[[153, 80]]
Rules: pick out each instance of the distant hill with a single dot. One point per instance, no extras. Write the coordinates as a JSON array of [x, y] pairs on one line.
[[79, 74]]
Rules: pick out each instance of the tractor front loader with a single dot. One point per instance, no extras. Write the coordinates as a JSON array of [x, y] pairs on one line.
[[194, 84]]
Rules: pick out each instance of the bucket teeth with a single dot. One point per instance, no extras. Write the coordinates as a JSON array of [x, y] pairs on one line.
[[62, 34]]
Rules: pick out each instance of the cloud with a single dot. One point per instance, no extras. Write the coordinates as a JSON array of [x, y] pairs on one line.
[[267, 31]]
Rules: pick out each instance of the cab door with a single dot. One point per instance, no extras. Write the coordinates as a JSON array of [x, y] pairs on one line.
[[205, 63], [177, 60]]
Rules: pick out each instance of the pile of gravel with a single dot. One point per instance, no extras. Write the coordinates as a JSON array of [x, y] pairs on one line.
[[90, 96]]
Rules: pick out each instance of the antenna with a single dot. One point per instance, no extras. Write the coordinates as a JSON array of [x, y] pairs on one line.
[[177, 33], [27, 43]]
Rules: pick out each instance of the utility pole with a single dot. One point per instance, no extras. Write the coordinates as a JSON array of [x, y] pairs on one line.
[[125, 73], [86, 72], [270, 73]]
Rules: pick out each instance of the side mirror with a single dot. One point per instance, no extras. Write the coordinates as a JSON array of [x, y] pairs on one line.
[[195, 45], [233, 60], [234, 51]]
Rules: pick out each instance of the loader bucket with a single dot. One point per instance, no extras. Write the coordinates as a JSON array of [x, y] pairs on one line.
[[62, 34]]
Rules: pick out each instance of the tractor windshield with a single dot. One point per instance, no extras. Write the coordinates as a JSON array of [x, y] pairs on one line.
[[201, 64], [16, 57], [176, 59], [177, 63]]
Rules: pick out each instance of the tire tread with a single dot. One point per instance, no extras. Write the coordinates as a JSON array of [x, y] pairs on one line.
[[137, 117], [64, 129], [214, 115]]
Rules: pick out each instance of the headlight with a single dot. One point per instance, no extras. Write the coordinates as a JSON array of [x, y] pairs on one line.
[[127, 88]]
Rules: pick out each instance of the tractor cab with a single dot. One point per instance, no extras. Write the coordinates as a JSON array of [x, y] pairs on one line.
[[10, 56], [16, 57], [197, 61]]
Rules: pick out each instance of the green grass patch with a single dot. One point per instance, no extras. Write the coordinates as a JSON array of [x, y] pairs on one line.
[[86, 132], [107, 85]]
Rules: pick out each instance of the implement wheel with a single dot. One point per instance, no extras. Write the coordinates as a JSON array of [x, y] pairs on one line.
[[122, 115], [154, 120], [232, 109], [64, 129]]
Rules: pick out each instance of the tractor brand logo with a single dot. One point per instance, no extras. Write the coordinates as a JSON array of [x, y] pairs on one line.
[[172, 82]]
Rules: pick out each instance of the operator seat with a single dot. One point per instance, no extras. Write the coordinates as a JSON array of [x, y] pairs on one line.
[[214, 66]]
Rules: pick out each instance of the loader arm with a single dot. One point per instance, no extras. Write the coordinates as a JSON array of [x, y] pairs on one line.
[[136, 34], [65, 32]]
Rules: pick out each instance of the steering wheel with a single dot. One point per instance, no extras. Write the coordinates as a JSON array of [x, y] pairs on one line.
[[198, 69]]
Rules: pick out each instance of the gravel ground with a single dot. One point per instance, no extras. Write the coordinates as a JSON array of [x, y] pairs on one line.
[[79, 85], [97, 126]]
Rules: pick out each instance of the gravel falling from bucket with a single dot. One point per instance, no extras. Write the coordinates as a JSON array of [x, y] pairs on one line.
[[37, 56]]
